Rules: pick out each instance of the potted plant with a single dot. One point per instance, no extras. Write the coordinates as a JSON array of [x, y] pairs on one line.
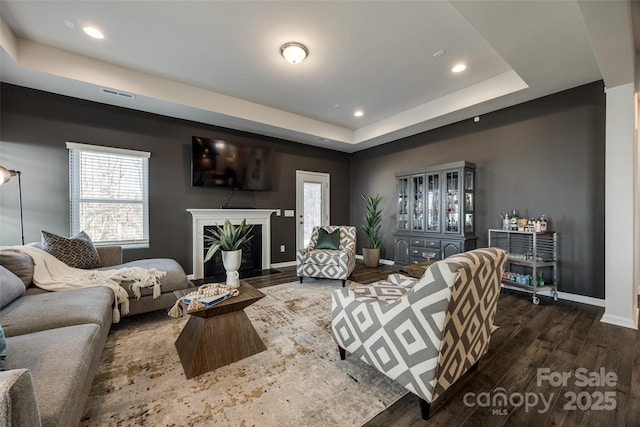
[[371, 227], [229, 240]]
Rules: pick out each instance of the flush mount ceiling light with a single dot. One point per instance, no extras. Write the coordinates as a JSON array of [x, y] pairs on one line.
[[93, 32], [358, 113], [294, 52], [459, 68]]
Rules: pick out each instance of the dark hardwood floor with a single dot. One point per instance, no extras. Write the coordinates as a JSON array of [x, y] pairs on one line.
[[361, 274], [562, 337]]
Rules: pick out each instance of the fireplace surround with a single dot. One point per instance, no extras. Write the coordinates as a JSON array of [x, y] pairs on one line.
[[251, 255], [209, 217]]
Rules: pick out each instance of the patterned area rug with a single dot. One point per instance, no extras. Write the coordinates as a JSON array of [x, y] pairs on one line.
[[298, 381]]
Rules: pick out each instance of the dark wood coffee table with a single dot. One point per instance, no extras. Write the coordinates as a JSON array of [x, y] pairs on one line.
[[218, 335]]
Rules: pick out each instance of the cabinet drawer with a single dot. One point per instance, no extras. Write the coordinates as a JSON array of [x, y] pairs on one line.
[[425, 243], [417, 241], [424, 253], [417, 259], [432, 244]]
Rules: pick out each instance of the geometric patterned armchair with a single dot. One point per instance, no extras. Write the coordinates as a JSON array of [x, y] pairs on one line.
[[328, 263], [423, 333]]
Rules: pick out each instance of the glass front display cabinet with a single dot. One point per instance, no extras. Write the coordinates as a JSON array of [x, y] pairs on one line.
[[436, 213], [403, 203]]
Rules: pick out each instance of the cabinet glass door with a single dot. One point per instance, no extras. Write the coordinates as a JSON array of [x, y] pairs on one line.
[[403, 203], [452, 205], [417, 214], [468, 202], [433, 203]]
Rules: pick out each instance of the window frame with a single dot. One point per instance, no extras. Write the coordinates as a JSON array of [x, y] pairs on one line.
[[74, 191]]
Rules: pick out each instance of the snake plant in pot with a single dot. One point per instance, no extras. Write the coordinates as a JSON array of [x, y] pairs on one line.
[[371, 227], [229, 240]]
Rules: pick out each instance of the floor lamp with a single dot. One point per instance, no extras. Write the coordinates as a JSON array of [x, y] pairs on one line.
[[5, 176]]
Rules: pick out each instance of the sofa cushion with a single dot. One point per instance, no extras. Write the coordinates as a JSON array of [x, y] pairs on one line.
[[49, 310], [382, 290], [174, 280], [11, 287], [22, 408], [3, 349], [19, 264], [60, 362], [323, 257], [402, 280], [77, 251]]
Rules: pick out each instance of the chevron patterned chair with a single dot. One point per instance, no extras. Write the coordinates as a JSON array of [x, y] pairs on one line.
[[328, 263], [423, 333]]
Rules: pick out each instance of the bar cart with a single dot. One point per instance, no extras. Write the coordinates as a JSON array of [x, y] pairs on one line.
[[533, 260]]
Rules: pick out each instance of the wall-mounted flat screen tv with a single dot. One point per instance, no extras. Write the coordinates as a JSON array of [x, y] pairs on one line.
[[224, 163]]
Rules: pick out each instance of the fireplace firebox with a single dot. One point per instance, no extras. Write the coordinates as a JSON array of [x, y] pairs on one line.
[[251, 256]]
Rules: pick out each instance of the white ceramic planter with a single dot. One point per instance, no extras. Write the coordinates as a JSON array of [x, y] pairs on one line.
[[231, 261]]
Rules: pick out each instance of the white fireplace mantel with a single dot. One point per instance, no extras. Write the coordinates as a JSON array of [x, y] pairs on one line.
[[208, 217]]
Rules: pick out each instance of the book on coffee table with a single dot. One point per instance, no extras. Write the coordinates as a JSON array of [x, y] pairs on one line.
[[208, 301]]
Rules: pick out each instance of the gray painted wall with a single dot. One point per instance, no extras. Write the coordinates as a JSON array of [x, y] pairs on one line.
[[541, 157], [36, 126]]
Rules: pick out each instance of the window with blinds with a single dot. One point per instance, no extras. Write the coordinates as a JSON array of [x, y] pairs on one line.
[[108, 190]]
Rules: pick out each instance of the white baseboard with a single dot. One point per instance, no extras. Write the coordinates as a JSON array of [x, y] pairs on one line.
[[283, 264], [563, 295], [621, 321], [382, 261]]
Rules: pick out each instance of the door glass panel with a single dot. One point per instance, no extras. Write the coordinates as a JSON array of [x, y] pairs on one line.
[[452, 202], [312, 208], [433, 203], [417, 220], [403, 203]]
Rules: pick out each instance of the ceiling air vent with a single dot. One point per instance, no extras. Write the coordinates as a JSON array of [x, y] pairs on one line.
[[117, 93]]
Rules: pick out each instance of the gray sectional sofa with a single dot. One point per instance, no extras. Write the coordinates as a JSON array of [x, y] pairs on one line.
[[54, 341]]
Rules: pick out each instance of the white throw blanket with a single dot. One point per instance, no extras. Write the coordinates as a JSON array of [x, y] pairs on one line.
[[51, 274]]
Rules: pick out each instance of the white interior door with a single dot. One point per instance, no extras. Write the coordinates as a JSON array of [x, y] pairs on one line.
[[312, 204]]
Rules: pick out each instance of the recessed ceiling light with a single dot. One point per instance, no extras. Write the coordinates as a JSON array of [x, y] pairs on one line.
[[459, 68], [93, 32], [358, 113]]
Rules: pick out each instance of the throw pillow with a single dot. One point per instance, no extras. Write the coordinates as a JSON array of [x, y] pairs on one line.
[[11, 287], [3, 349], [77, 251], [19, 264], [328, 240]]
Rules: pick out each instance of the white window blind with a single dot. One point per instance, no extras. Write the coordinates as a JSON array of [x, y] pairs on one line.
[[109, 194]]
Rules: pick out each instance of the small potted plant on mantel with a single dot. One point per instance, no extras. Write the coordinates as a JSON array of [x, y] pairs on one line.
[[229, 240], [371, 227]]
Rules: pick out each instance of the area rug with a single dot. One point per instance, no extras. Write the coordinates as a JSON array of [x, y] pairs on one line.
[[298, 381]]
